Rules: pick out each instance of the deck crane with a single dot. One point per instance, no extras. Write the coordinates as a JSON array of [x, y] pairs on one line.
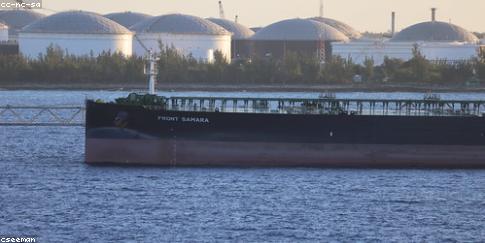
[[221, 11]]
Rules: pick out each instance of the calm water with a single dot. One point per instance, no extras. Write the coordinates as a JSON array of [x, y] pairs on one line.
[[47, 191]]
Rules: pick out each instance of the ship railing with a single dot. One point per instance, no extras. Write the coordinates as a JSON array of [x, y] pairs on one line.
[[329, 106]]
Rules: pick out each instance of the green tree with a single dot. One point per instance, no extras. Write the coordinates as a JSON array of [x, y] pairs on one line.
[[419, 66], [368, 70]]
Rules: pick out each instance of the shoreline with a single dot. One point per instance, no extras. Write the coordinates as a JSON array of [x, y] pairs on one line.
[[367, 87]]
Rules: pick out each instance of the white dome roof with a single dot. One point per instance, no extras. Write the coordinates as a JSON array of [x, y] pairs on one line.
[[127, 19], [299, 30], [76, 22], [239, 31], [179, 24], [435, 31], [340, 26], [17, 19]]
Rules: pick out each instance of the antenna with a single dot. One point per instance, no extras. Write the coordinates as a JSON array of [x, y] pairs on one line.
[[433, 14], [321, 8], [221, 11], [393, 23]]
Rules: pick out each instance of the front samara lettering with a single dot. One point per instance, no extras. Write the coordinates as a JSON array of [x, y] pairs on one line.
[[195, 119], [184, 119]]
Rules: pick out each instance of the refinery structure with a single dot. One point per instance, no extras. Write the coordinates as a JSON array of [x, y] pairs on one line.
[[303, 36], [15, 20], [241, 35], [131, 33], [190, 35], [436, 40], [76, 32], [127, 19]]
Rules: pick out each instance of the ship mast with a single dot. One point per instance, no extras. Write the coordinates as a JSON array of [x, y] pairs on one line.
[[151, 69], [152, 72]]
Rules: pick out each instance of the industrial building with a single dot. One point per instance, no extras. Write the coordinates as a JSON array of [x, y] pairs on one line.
[[437, 41], [17, 19], [302, 36], [76, 32], [190, 35], [240, 44], [127, 19]]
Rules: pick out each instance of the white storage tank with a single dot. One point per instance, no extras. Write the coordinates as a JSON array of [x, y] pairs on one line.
[[3, 33], [76, 32], [127, 19], [437, 41], [303, 36], [240, 44], [190, 35], [435, 31], [340, 26], [17, 19]]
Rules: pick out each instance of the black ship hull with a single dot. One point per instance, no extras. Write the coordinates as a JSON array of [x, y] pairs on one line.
[[135, 135]]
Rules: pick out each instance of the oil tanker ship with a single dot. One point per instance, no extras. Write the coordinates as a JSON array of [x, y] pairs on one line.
[[320, 132]]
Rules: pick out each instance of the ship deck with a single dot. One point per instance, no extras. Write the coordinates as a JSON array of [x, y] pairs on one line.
[[329, 105]]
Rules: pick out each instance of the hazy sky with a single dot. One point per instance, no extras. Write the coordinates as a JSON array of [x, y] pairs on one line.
[[371, 15]]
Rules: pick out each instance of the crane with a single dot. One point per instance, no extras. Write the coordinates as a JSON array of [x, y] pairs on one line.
[[221, 11]]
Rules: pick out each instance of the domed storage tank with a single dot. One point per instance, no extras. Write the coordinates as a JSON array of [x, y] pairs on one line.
[[127, 19], [77, 32], [3, 33], [302, 36], [340, 26], [435, 31], [190, 35], [437, 41], [240, 44], [17, 19]]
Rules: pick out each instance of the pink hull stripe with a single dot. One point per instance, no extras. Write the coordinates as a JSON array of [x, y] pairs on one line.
[[211, 153]]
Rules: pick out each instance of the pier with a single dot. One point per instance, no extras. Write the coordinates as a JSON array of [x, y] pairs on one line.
[[42, 115]]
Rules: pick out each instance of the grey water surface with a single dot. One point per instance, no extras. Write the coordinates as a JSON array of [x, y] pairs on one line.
[[48, 192]]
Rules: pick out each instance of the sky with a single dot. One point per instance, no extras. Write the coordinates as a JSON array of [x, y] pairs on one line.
[[363, 15]]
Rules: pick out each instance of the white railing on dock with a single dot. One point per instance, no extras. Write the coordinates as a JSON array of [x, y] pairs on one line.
[[42, 115]]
